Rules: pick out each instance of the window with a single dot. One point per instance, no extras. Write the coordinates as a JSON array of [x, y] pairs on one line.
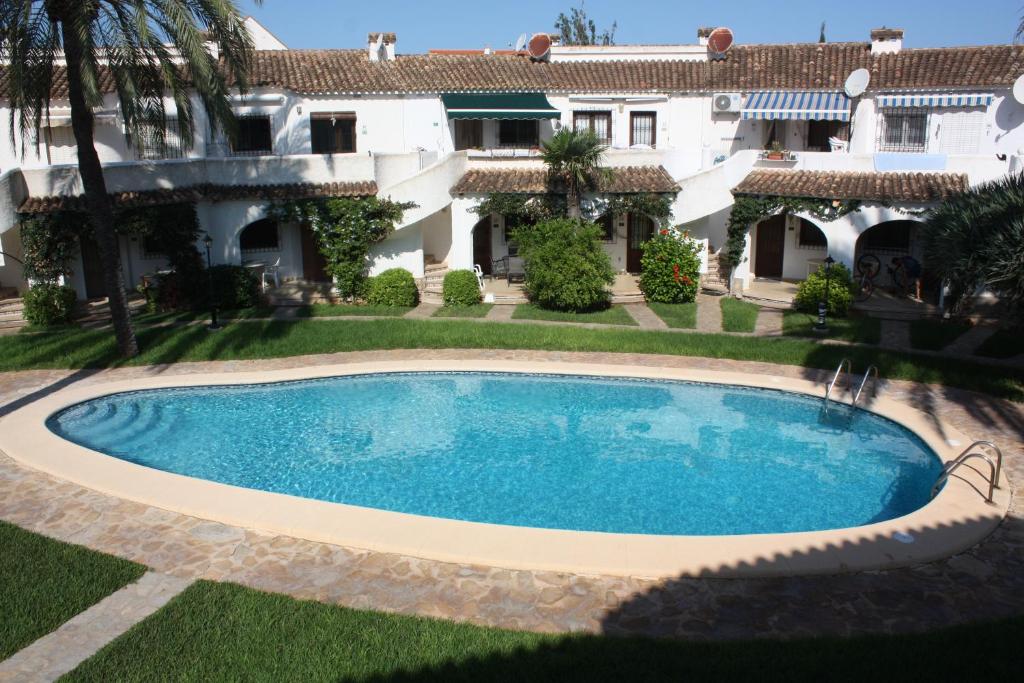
[[259, 236], [960, 130], [811, 236], [61, 145], [607, 223], [904, 130], [642, 126], [333, 132], [518, 134], [469, 134], [254, 136], [600, 122], [148, 147]]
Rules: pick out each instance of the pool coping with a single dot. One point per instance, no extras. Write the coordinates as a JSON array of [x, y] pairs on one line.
[[957, 519]]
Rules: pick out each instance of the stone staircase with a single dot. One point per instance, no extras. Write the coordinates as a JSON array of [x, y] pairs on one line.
[[716, 279], [432, 288], [301, 294], [11, 310]]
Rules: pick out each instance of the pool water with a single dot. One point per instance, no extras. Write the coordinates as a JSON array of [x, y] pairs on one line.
[[591, 454]]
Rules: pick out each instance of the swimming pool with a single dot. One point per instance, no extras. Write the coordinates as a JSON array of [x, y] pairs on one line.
[[574, 453]]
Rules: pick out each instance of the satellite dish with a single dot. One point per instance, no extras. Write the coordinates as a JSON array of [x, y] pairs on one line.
[[1018, 90], [521, 42], [539, 46], [857, 83], [720, 40]]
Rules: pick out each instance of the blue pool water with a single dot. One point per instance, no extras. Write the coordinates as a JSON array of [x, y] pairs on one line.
[[594, 454]]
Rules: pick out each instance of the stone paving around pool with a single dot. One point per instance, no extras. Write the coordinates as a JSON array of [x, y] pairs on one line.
[[985, 582]]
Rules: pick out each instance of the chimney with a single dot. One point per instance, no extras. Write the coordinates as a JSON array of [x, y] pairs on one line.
[[886, 40], [386, 52], [556, 39], [703, 33]]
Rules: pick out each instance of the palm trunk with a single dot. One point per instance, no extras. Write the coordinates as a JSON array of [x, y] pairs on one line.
[[572, 203], [100, 210]]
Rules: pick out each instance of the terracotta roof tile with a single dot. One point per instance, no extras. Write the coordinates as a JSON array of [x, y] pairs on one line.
[[623, 180], [210, 193], [882, 187]]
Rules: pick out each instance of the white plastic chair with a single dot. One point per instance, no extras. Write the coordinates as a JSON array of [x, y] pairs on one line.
[[838, 145], [479, 272]]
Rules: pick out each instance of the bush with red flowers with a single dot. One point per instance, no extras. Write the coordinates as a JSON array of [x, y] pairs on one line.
[[671, 267]]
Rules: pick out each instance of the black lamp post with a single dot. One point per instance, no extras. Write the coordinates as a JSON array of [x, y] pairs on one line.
[[214, 325], [822, 325]]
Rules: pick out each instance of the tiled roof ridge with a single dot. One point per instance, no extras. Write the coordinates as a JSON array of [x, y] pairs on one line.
[[907, 186]]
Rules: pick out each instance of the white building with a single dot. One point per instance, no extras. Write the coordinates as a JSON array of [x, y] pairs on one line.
[[445, 129]]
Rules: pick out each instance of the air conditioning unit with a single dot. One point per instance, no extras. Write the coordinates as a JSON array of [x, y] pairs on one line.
[[727, 103]]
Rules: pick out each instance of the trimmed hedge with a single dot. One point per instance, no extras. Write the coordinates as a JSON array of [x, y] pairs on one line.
[[461, 288], [394, 287], [50, 304], [840, 293]]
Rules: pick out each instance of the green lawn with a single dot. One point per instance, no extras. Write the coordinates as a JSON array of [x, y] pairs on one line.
[[191, 316], [862, 329], [218, 632], [478, 311], [280, 338], [43, 583], [738, 316], [935, 335], [342, 310], [1003, 344], [678, 316], [613, 315]]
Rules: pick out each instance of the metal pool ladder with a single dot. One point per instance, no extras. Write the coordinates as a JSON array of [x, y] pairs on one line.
[[968, 454], [872, 372]]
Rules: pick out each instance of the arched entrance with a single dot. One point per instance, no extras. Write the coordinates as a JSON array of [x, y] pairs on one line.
[[887, 241], [483, 254], [787, 247]]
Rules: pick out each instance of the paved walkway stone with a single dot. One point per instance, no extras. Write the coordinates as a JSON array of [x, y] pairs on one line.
[[424, 310], [896, 334], [769, 322], [910, 599], [645, 317], [501, 312], [970, 340], [709, 313], [83, 635]]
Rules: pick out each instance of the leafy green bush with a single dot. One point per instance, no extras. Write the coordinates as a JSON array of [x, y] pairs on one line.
[[231, 286], [235, 286], [394, 287], [50, 304], [566, 267], [670, 268], [461, 288], [840, 293]]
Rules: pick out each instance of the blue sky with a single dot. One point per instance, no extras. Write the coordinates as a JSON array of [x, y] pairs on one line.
[[423, 24]]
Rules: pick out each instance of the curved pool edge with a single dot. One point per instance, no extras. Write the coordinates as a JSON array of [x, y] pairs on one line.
[[957, 519]]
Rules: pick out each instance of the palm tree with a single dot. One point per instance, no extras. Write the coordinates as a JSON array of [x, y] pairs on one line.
[[574, 157], [121, 42]]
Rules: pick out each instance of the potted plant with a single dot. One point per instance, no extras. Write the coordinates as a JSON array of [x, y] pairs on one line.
[[776, 152]]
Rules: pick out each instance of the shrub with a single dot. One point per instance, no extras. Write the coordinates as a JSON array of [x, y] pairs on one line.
[[232, 287], [235, 286], [566, 267], [461, 288], [394, 287], [50, 304], [671, 268], [840, 293]]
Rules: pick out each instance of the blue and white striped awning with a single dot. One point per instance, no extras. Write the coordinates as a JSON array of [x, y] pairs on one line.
[[815, 106], [933, 100]]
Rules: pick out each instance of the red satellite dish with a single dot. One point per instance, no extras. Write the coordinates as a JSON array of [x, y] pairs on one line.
[[720, 40], [539, 46]]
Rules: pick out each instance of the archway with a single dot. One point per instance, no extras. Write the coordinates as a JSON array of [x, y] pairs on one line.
[[483, 254], [886, 241], [788, 247], [260, 236]]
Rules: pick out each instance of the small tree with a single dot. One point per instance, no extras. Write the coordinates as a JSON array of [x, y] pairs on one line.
[[566, 267], [576, 28], [670, 267], [573, 158]]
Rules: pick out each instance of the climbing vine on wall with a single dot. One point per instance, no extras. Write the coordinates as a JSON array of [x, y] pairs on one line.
[[531, 208], [656, 206], [747, 211], [345, 229]]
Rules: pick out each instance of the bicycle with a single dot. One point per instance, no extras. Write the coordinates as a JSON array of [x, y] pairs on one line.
[[868, 268]]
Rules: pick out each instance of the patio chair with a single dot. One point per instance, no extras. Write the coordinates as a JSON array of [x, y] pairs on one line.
[[479, 272], [516, 270], [499, 267]]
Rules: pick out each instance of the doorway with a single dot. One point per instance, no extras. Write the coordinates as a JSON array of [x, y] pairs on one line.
[[469, 134], [482, 254], [314, 265], [771, 244], [640, 229], [92, 269]]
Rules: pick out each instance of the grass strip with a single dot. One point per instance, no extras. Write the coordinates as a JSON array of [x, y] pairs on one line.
[[738, 316], [220, 632], [46, 582], [613, 315], [278, 338], [862, 329], [477, 311], [935, 335], [343, 310], [676, 316]]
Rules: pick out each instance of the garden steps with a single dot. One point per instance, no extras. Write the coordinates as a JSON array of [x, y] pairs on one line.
[[712, 280], [12, 314]]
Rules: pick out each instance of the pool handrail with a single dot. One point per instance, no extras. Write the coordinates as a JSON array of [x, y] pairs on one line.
[[995, 467], [835, 378], [872, 370]]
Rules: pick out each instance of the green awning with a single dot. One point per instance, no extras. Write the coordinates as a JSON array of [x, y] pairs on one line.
[[527, 105]]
